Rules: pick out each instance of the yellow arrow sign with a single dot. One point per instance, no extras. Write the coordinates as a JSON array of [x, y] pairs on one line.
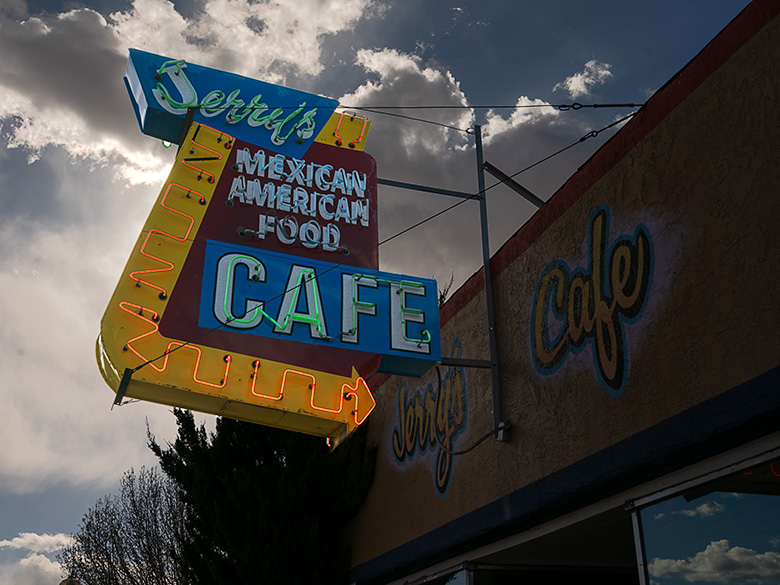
[[189, 373]]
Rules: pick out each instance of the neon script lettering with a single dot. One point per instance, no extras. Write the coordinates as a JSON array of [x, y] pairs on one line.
[[572, 308], [433, 418], [216, 102]]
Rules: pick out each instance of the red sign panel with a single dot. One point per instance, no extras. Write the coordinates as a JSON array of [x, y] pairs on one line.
[[323, 207]]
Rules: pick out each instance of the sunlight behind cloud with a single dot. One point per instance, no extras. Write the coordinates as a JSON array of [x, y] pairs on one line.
[[92, 121], [249, 38], [403, 79]]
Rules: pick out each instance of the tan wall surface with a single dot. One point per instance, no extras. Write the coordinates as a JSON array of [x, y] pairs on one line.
[[704, 185]]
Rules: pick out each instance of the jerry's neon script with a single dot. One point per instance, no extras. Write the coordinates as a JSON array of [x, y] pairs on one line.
[[215, 103], [164, 90]]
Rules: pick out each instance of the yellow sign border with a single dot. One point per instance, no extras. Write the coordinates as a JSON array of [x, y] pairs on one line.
[[189, 374]]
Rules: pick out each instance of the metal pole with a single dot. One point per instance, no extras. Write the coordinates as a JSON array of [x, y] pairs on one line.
[[501, 435], [639, 546], [512, 184], [413, 187]]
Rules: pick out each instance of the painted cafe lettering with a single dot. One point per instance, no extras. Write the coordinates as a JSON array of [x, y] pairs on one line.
[[572, 308]]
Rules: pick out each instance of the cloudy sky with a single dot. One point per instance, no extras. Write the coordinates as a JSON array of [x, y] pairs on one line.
[[723, 538], [77, 178]]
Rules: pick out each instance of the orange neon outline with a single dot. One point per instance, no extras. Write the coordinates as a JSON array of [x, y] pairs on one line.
[[256, 366], [138, 311], [313, 384], [336, 131], [169, 265], [346, 390], [203, 146], [362, 131], [201, 171], [221, 134], [324, 409], [353, 115]]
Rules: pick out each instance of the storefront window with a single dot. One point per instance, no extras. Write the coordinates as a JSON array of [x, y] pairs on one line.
[[457, 578], [726, 532]]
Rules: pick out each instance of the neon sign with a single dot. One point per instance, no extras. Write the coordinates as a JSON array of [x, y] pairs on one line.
[[191, 371], [253, 291], [291, 299], [236, 224], [163, 90]]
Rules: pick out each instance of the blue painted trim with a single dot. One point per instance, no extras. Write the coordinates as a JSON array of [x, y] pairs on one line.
[[742, 414]]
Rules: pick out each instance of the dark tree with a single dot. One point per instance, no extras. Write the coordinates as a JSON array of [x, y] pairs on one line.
[[265, 506], [131, 538]]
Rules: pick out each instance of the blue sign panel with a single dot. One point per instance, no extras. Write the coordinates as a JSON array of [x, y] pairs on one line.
[[273, 117], [292, 298]]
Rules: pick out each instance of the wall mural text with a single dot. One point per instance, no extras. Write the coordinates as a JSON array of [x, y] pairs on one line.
[[572, 308], [433, 419]]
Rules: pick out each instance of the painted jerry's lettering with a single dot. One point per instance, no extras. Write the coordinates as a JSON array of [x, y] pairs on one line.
[[593, 305], [432, 418]]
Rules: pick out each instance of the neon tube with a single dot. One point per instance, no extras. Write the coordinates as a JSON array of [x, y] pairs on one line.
[[347, 390], [339, 139], [168, 265], [362, 132], [138, 312], [217, 155], [254, 375]]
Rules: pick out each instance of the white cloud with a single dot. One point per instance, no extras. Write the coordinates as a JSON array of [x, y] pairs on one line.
[[64, 86], [32, 570], [38, 543], [250, 38], [58, 269], [659, 516], [721, 563], [580, 84], [403, 79], [34, 129], [702, 510], [527, 112]]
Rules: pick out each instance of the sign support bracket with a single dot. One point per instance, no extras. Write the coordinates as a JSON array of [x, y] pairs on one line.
[[502, 429], [123, 384]]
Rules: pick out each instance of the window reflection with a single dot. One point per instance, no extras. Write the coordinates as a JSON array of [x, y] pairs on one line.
[[726, 532]]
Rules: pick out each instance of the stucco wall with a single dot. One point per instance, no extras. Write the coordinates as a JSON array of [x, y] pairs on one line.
[[695, 185]]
